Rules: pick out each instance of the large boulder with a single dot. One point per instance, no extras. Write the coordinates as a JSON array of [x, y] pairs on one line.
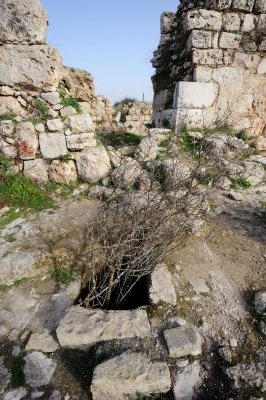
[[79, 83], [93, 164], [23, 21], [126, 173], [36, 67], [82, 328], [129, 375]]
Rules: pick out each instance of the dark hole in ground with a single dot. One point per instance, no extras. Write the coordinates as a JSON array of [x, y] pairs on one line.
[[137, 297]]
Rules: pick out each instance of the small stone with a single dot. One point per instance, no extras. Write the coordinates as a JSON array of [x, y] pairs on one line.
[[40, 128], [38, 369], [233, 342], [21, 101], [27, 140], [235, 196], [42, 341], [36, 395], [187, 382], [51, 98], [229, 40], [16, 394], [7, 128], [80, 141], [6, 91], [55, 125], [56, 395], [199, 286], [183, 341], [225, 354], [262, 327], [260, 301], [63, 172]]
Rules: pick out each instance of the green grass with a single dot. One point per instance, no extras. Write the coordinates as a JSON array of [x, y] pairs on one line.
[[263, 203], [43, 110], [7, 117], [10, 238], [3, 288], [5, 163], [239, 183], [9, 217], [117, 139], [17, 374], [67, 101], [213, 206], [62, 275], [18, 191], [65, 158]]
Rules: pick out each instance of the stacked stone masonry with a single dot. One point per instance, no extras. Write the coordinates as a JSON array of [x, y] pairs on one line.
[[211, 66], [48, 111]]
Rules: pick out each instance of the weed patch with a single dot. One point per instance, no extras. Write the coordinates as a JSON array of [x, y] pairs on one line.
[[239, 183], [67, 101], [62, 275]]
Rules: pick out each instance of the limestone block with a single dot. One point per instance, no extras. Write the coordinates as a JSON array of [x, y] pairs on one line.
[[243, 5], [40, 127], [7, 128], [247, 61], [248, 42], [51, 98], [249, 22], [27, 141], [189, 117], [7, 149], [200, 40], [36, 170], [30, 67], [260, 6], [52, 145], [128, 376], [231, 22], [262, 67], [126, 173], [187, 381], [219, 4], [166, 22], [82, 328], [6, 91], [9, 105], [80, 123], [229, 40], [194, 94], [79, 83], [63, 172], [68, 111], [38, 369], [93, 163], [209, 57], [203, 19], [262, 46], [42, 341], [80, 141], [202, 74], [23, 22], [183, 341], [55, 125], [261, 27], [161, 288]]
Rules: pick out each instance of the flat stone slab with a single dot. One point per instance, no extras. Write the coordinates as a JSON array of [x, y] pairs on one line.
[[81, 328], [162, 288], [128, 375], [42, 341], [38, 369], [183, 341]]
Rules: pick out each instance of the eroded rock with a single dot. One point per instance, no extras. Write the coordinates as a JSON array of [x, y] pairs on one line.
[[38, 369], [183, 341]]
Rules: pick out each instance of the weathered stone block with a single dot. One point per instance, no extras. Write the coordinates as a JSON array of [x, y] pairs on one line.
[[128, 376], [209, 57], [166, 22], [194, 94], [260, 6], [51, 98], [189, 117], [36, 170], [161, 288], [200, 40], [231, 22], [229, 40], [7, 128], [202, 74], [22, 21], [262, 46], [52, 145], [262, 67], [82, 328], [38, 369], [219, 4], [80, 123], [68, 111], [248, 61], [42, 341], [261, 27], [27, 141], [203, 19], [80, 140], [64, 173], [9, 105], [55, 125], [183, 341], [93, 164], [243, 5], [249, 23], [30, 67], [79, 83]]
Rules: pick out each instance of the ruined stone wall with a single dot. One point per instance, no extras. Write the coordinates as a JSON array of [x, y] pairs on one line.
[[134, 117], [211, 65]]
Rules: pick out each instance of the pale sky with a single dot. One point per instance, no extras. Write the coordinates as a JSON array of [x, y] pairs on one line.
[[112, 39]]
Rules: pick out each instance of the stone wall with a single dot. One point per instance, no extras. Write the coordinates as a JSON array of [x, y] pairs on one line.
[[134, 117], [211, 65]]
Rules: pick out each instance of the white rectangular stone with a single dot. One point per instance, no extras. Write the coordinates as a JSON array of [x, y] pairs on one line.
[[209, 57], [80, 141], [249, 23], [203, 19], [245, 5], [229, 40], [200, 40], [194, 94], [202, 74], [191, 118], [52, 145]]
